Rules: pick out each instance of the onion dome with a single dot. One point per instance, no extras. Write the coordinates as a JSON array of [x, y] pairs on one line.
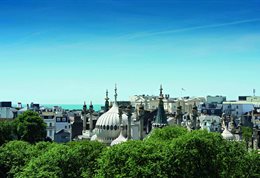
[[93, 138], [227, 134], [119, 139], [108, 124]]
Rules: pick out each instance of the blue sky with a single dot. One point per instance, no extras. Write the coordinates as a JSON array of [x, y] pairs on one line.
[[68, 51]]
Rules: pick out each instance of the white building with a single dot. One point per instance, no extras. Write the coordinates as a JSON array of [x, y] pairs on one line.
[[210, 123], [216, 99], [170, 104], [238, 108], [7, 113], [146, 100], [62, 122], [48, 117]]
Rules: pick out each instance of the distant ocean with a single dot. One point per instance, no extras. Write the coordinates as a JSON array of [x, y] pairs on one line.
[[97, 107]]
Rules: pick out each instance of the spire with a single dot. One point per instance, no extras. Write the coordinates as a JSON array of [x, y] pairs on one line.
[[161, 94], [84, 113], [107, 95], [161, 119], [84, 107], [90, 117], [106, 102], [115, 93], [91, 105]]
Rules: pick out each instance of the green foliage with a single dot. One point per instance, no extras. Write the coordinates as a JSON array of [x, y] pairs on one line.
[[194, 154], [167, 133], [246, 133], [6, 131], [133, 159], [65, 160], [168, 152], [13, 156], [30, 127], [203, 154], [251, 165]]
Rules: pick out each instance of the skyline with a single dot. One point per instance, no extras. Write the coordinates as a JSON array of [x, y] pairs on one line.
[[68, 52]]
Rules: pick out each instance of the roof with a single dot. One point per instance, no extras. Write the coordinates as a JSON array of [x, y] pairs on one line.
[[241, 102], [47, 114], [62, 131], [161, 116]]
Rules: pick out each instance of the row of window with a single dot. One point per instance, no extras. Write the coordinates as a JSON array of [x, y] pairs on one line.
[[111, 127]]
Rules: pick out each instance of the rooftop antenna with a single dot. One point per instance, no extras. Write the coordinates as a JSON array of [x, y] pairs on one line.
[[253, 92]]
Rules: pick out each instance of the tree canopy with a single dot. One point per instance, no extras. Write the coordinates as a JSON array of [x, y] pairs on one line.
[[30, 127], [75, 159], [6, 131], [167, 152]]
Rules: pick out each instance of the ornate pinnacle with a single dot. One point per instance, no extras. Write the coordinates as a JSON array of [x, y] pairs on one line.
[[84, 108], [115, 93], [91, 106], [106, 95], [161, 94]]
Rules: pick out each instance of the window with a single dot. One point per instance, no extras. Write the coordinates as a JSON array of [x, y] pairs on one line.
[[58, 119], [50, 125], [50, 133], [65, 127], [64, 119]]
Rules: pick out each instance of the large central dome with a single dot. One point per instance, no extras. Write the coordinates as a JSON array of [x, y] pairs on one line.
[[108, 125]]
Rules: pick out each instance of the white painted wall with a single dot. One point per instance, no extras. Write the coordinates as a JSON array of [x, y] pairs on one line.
[[6, 113]]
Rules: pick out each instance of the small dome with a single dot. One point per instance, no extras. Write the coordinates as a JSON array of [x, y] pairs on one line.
[[118, 140], [108, 126], [227, 135], [93, 138]]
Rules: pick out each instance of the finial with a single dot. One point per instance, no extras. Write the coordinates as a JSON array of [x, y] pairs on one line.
[[161, 94], [107, 94], [91, 106], [115, 93], [84, 103]]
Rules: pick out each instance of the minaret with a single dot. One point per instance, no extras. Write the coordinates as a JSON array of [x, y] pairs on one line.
[[84, 113], [179, 114], [141, 120], [90, 117], [129, 115], [194, 116], [115, 94], [120, 113], [106, 102], [161, 119], [120, 138], [255, 137]]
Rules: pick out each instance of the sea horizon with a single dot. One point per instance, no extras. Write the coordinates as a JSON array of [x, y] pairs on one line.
[[96, 107]]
